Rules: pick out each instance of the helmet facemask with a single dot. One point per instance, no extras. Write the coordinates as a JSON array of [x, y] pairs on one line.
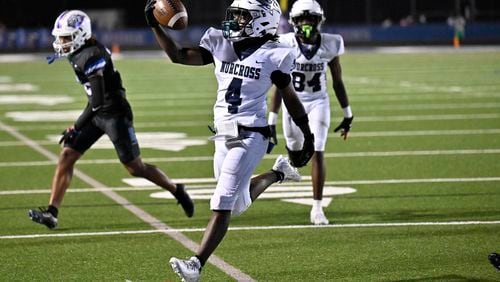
[[64, 47], [251, 18], [307, 25], [238, 24]]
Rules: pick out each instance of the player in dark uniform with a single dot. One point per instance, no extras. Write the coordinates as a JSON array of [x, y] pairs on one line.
[[107, 112]]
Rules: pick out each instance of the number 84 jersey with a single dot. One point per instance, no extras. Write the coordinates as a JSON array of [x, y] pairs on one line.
[[311, 64]]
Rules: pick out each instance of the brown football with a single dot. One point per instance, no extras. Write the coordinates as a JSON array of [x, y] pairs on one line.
[[171, 14]]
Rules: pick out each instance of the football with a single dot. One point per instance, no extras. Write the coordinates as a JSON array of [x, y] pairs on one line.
[[171, 14]]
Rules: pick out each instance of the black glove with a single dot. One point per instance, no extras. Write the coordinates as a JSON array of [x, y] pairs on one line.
[[302, 157], [344, 127], [148, 12], [69, 135], [273, 141], [495, 260]]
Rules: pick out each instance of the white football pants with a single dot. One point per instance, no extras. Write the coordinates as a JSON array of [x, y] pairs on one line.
[[234, 164], [318, 112]]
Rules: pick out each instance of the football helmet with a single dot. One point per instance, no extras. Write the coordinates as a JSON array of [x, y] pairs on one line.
[[251, 18], [306, 9], [74, 24]]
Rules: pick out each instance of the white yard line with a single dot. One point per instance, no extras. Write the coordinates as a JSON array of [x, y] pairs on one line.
[[209, 184], [253, 228], [457, 132], [61, 116], [273, 156], [425, 117], [143, 215], [353, 134]]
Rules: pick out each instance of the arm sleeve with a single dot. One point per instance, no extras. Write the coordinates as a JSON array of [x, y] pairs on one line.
[[280, 79], [93, 65], [206, 56], [84, 118], [97, 86]]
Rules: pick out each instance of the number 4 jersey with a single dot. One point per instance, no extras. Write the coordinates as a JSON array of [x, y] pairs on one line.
[[244, 78], [309, 74]]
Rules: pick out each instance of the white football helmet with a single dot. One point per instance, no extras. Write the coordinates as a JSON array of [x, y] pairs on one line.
[[306, 8], [72, 23], [251, 18]]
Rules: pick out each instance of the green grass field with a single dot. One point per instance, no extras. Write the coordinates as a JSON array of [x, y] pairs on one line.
[[423, 157]]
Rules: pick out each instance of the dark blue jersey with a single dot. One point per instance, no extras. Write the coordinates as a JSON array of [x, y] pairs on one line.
[[88, 60]]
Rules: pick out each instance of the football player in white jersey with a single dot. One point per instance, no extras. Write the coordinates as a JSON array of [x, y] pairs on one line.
[[315, 51], [247, 61]]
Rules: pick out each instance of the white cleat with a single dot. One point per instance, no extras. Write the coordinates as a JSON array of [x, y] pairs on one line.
[[188, 270], [318, 218], [290, 173]]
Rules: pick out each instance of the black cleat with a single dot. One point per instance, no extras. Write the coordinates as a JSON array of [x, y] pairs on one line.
[[495, 260], [44, 217], [183, 198]]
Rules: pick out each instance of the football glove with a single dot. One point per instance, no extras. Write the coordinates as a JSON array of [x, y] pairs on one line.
[[69, 135], [344, 127], [148, 12], [302, 157], [273, 141], [495, 260]]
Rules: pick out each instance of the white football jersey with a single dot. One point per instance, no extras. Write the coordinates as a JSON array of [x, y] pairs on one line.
[[243, 83], [309, 74]]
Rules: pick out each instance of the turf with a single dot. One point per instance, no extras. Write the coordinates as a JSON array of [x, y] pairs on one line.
[[425, 143]]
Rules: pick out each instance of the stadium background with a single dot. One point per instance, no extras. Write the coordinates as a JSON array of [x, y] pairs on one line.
[[361, 22]]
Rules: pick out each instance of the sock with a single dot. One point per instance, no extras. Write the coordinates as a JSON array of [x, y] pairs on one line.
[[280, 175], [201, 261], [317, 205], [53, 210]]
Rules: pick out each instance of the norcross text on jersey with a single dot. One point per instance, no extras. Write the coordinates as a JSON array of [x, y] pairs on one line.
[[309, 67], [240, 70]]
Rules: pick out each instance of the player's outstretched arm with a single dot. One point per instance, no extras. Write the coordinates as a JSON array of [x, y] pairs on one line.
[[178, 55], [186, 56]]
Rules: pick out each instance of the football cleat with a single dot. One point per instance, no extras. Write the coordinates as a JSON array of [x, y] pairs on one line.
[[188, 270], [290, 173], [183, 198], [44, 217], [495, 260], [318, 217]]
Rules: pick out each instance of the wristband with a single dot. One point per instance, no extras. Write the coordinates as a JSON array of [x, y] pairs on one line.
[[273, 118], [347, 112]]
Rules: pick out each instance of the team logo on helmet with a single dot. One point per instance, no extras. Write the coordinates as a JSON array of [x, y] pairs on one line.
[[265, 4], [75, 21]]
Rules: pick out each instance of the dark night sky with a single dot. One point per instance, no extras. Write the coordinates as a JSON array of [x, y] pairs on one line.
[[13, 13]]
